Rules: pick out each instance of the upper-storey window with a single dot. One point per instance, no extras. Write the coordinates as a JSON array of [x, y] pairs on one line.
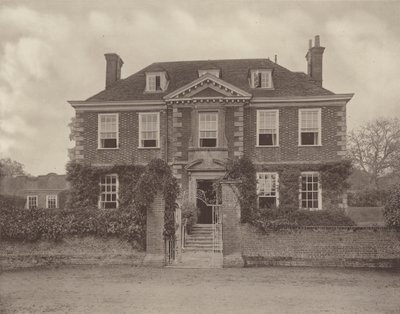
[[208, 129], [267, 127], [108, 130], [214, 72], [261, 79], [310, 127], [149, 129], [156, 81]]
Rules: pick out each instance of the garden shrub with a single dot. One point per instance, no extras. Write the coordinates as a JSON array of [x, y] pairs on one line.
[[190, 213], [368, 198], [268, 220], [11, 201], [392, 208]]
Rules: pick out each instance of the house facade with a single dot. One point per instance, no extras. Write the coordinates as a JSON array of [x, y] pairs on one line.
[[196, 115]]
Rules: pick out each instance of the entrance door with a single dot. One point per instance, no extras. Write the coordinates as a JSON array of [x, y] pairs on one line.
[[206, 196]]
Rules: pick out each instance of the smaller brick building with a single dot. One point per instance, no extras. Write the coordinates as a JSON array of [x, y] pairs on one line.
[[43, 191], [198, 114]]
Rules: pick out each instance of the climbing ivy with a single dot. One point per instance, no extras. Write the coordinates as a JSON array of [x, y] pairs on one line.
[[333, 179], [138, 186]]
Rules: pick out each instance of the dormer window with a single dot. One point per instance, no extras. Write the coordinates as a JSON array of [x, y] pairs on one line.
[[261, 79], [156, 81], [214, 72]]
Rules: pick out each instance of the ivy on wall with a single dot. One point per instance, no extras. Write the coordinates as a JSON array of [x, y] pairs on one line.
[[333, 179]]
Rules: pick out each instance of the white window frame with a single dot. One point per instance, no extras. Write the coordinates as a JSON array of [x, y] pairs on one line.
[[276, 111], [163, 82], [116, 191], [140, 115], [36, 201], [276, 174], [266, 72], [99, 131], [216, 128], [48, 197], [313, 173], [319, 126]]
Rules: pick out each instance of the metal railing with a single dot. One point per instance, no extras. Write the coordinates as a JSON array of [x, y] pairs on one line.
[[170, 252]]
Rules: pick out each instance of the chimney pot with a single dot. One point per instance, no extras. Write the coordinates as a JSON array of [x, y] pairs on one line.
[[113, 68], [316, 41], [310, 44]]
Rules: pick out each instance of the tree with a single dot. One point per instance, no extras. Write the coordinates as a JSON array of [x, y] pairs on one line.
[[9, 167], [375, 148]]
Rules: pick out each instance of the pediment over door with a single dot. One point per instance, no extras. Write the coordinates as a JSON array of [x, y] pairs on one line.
[[206, 165], [208, 86]]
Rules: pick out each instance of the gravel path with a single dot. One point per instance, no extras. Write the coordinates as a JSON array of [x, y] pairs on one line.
[[123, 289]]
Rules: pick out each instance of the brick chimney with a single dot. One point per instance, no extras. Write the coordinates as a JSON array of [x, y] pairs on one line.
[[314, 60], [113, 68]]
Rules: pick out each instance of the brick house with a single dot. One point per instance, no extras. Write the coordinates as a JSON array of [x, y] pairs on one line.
[[44, 191], [197, 114]]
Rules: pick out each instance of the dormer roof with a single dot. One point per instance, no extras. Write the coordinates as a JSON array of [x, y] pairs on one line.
[[234, 72]]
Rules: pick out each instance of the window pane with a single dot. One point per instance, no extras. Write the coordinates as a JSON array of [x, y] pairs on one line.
[[309, 138]]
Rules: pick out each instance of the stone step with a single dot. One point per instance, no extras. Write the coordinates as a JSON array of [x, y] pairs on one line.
[[201, 246], [202, 249]]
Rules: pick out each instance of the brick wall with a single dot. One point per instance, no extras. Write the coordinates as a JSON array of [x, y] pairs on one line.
[[128, 151], [69, 251], [352, 247], [333, 122]]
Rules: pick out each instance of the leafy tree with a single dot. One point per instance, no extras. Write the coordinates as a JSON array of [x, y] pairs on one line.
[[375, 148], [9, 167]]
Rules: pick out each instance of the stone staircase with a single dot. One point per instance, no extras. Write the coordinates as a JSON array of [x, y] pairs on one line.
[[198, 251], [201, 239]]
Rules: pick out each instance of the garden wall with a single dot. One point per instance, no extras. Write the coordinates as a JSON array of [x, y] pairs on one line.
[[69, 251], [322, 246]]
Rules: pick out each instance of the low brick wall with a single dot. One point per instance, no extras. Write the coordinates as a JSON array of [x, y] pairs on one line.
[[70, 251], [333, 247]]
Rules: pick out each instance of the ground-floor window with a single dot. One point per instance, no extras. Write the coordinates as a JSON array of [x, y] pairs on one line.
[[32, 201], [310, 191], [51, 201], [267, 189], [108, 191]]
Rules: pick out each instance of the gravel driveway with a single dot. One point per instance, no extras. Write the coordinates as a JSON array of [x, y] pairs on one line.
[[124, 289]]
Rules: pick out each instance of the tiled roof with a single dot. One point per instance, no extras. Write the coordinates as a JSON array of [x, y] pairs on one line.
[[235, 72]]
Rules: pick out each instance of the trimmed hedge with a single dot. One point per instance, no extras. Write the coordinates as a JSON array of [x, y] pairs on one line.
[[35, 224], [268, 220]]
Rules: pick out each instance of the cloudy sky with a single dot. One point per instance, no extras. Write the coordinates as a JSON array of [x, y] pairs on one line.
[[53, 51]]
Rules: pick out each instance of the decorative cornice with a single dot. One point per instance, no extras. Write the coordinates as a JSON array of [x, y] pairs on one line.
[[118, 105], [299, 99]]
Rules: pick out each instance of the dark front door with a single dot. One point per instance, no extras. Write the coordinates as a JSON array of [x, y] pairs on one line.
[[206, 196]]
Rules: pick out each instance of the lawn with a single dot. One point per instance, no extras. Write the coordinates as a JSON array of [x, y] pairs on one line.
[[123, 289]]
